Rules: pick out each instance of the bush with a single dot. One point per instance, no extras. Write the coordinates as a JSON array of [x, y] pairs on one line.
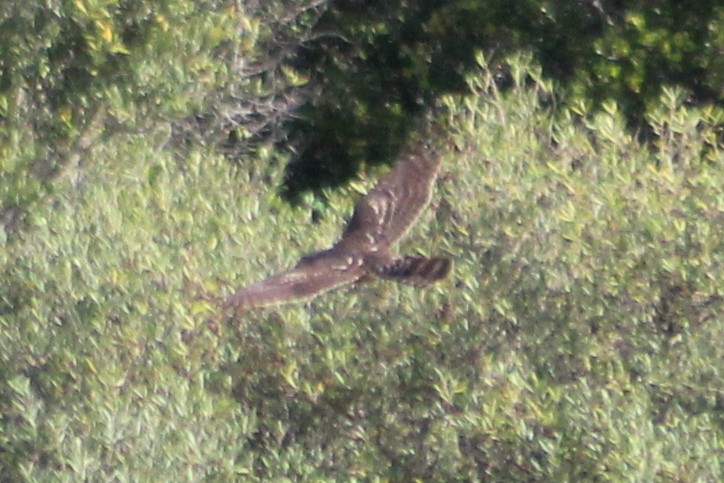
[[77, 73], [578, 337], [375, 65]]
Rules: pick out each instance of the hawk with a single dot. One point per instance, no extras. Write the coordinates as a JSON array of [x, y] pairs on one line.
[[380, 219]]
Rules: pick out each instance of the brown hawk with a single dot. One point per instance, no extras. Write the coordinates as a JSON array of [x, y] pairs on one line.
[[380, 219]]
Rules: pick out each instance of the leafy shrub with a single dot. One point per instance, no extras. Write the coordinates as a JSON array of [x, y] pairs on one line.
[[74, 73], [578, 337]]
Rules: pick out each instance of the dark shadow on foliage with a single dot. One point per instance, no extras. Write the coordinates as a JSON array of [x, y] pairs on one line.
[[376, 66]]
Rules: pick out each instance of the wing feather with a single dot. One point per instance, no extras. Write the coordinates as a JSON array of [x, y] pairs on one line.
[[388, 211], [313, 274]]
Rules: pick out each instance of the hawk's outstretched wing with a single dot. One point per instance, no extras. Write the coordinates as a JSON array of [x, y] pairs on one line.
[[313, 275], [388, 211]]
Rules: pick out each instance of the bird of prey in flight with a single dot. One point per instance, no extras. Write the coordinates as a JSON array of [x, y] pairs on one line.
[[380, 220]]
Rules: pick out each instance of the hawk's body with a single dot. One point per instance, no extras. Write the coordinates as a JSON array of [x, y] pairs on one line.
[[380, 219]]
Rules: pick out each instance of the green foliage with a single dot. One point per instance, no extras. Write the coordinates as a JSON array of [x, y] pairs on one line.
[[577, 339], [101, 378], [650, 44], [375, 65], [73, 71]]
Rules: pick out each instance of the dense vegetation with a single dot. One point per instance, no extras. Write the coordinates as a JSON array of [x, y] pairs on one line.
[[375, 64], [578, 338]]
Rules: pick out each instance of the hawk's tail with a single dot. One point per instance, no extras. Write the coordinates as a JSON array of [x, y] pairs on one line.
[[418, 271]]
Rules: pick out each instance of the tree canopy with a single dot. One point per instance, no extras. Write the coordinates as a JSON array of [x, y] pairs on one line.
[[143, 146]]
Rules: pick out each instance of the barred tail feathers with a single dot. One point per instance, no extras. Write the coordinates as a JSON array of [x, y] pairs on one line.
[[416, 270]]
